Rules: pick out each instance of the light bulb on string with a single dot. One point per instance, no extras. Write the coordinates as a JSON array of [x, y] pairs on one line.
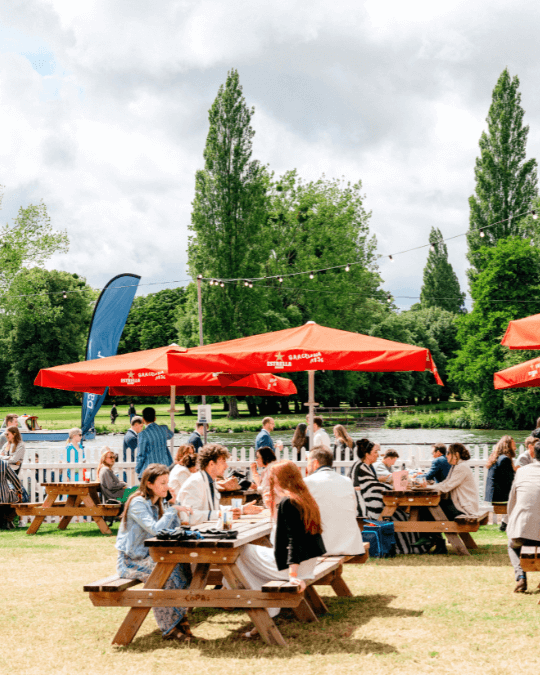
[[389, 298], [534, 215], [64, 295], [347, 268], [432, 248], [251, 284], [280, 279], [311, 275], [482, 233], [222, 284], [390, 258], [246, 283]]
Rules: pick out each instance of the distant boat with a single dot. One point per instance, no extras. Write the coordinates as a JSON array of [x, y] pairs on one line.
[[31, 431]]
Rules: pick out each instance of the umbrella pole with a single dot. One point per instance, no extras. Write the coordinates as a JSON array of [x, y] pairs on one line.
[[201, 340], [172, 410], [311, 404]]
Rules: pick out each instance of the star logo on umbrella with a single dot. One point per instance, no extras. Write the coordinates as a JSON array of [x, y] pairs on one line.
[[279, 356], [131, 375]]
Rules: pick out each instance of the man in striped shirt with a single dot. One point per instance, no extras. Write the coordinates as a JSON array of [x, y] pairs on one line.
[[152, 443]]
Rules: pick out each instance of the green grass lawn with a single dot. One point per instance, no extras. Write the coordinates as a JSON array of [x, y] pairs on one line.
[[410, 614]]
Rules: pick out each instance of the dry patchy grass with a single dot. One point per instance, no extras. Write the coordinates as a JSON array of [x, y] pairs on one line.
[[415, 614]]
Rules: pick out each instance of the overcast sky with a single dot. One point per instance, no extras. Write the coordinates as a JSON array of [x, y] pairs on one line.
[[104, 114]]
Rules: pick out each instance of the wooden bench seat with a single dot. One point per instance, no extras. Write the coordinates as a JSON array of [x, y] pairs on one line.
[[461, 525], [500, 508], [37, 509], [110, 584]]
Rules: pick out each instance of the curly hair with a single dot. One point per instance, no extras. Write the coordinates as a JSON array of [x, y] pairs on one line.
[[211, 452]]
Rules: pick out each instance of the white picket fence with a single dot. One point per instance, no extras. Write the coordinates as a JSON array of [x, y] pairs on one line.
[[46, 463]]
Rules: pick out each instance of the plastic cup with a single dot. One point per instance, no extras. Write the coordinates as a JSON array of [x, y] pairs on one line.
[[236, 503]]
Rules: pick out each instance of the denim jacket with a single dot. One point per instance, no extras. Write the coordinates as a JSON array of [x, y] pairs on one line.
[[142, 523]]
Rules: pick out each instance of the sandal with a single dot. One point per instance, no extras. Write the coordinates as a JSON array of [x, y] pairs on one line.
[[253, 633], [175, 634], [185, 628]]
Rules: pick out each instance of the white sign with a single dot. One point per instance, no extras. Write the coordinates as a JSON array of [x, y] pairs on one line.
[[204, 414]]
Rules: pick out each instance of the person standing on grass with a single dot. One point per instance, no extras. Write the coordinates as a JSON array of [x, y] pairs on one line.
[[527, 456], [114, 413], [131, 411], [152, 443], [524, 515], [196, 438], [147, 513], [131, 439]]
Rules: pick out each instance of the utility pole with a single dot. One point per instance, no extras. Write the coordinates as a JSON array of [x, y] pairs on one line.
[[199, 299]]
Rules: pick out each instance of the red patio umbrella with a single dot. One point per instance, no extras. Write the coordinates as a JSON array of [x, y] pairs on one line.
[[523, 333], [145, 373], [310, 347], [525, 374]]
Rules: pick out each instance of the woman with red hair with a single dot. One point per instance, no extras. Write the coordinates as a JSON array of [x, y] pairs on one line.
[[298, 541]]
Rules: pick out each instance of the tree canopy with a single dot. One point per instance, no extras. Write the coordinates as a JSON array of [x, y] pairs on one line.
[[441, 286]]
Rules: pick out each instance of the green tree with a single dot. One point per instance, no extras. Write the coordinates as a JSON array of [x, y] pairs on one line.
[[42, 328], [506, 183], [441, 285], [29, 241], [228, 213], [151, 321], [506, 289]]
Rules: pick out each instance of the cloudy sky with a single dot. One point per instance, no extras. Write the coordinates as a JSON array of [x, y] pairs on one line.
[[104, 112]]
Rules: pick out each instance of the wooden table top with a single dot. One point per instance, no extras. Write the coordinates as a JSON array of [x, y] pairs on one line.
[[422, 492], [80, 483], [249, 529]]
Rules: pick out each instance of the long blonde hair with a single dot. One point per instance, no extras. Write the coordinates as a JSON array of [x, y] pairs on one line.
[[102, 462], [503, 447], [342, 435]]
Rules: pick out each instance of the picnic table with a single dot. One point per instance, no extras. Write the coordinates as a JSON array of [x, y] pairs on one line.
[[213, 560], [414, 500], [82, 500]]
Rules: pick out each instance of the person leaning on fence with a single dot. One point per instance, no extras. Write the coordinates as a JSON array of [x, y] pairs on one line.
[[14, 450], [527, 456], [298, 540], [524, 516], [500, 475], [371, 491], [343, 441], [147, 513]]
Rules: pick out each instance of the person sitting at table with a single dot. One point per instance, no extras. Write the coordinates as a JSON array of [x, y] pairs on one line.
[[371, 490], [335, 497], [265, 457], [440, 468], [10, 493], [146, 513], [527, 456], [200, 492], [11, 420], [111, 486], [298, 540], [384, 466], [524, 516], [343, 441], [185, 464], [500, 475], [461, 499], [14, 450]]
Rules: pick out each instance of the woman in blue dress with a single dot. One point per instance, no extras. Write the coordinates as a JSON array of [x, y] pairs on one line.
[[74, 451], [144, 516]]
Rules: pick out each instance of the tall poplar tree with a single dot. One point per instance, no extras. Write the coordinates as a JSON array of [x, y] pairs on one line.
[[506, 183], [228, 213], [441, 286]]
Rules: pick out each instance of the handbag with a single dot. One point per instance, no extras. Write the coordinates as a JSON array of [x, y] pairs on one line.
[[381, 537]]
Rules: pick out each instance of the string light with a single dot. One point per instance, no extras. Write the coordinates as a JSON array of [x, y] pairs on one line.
[[64, 295], [347, 268], [390, 258], [311, 275], [482, 233], [280, 280], [246, 282], [432, 248], [534, 215], [251, 284], [222, 284], [389, 298]]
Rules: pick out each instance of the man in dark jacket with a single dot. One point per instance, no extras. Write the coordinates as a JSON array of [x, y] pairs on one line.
[[440, 468], [196, 437]]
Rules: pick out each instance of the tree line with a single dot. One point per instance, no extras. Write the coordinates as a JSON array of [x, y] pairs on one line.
[[248, 223]]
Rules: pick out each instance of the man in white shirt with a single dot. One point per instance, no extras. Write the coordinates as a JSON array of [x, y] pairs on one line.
[[335, 497], [200, 491], [320, 436], [385, 466]]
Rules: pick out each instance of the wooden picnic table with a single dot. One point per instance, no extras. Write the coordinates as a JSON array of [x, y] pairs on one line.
[[221, 555], [82, 500], [413, 500]]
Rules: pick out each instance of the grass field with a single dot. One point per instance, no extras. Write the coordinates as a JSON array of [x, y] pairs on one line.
[[413, 614]]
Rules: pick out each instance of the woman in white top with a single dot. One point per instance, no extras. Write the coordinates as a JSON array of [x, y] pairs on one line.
[[265, 456], [183, 468], [13, 451]]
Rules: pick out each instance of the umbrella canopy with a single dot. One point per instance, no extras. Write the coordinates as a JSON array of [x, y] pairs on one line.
[[309, 347], [145, 373], [523, 375], [523, 333]]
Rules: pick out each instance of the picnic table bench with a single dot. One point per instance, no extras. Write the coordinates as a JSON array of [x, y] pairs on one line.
[[214, 560], [456, 531], [82, 500]]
